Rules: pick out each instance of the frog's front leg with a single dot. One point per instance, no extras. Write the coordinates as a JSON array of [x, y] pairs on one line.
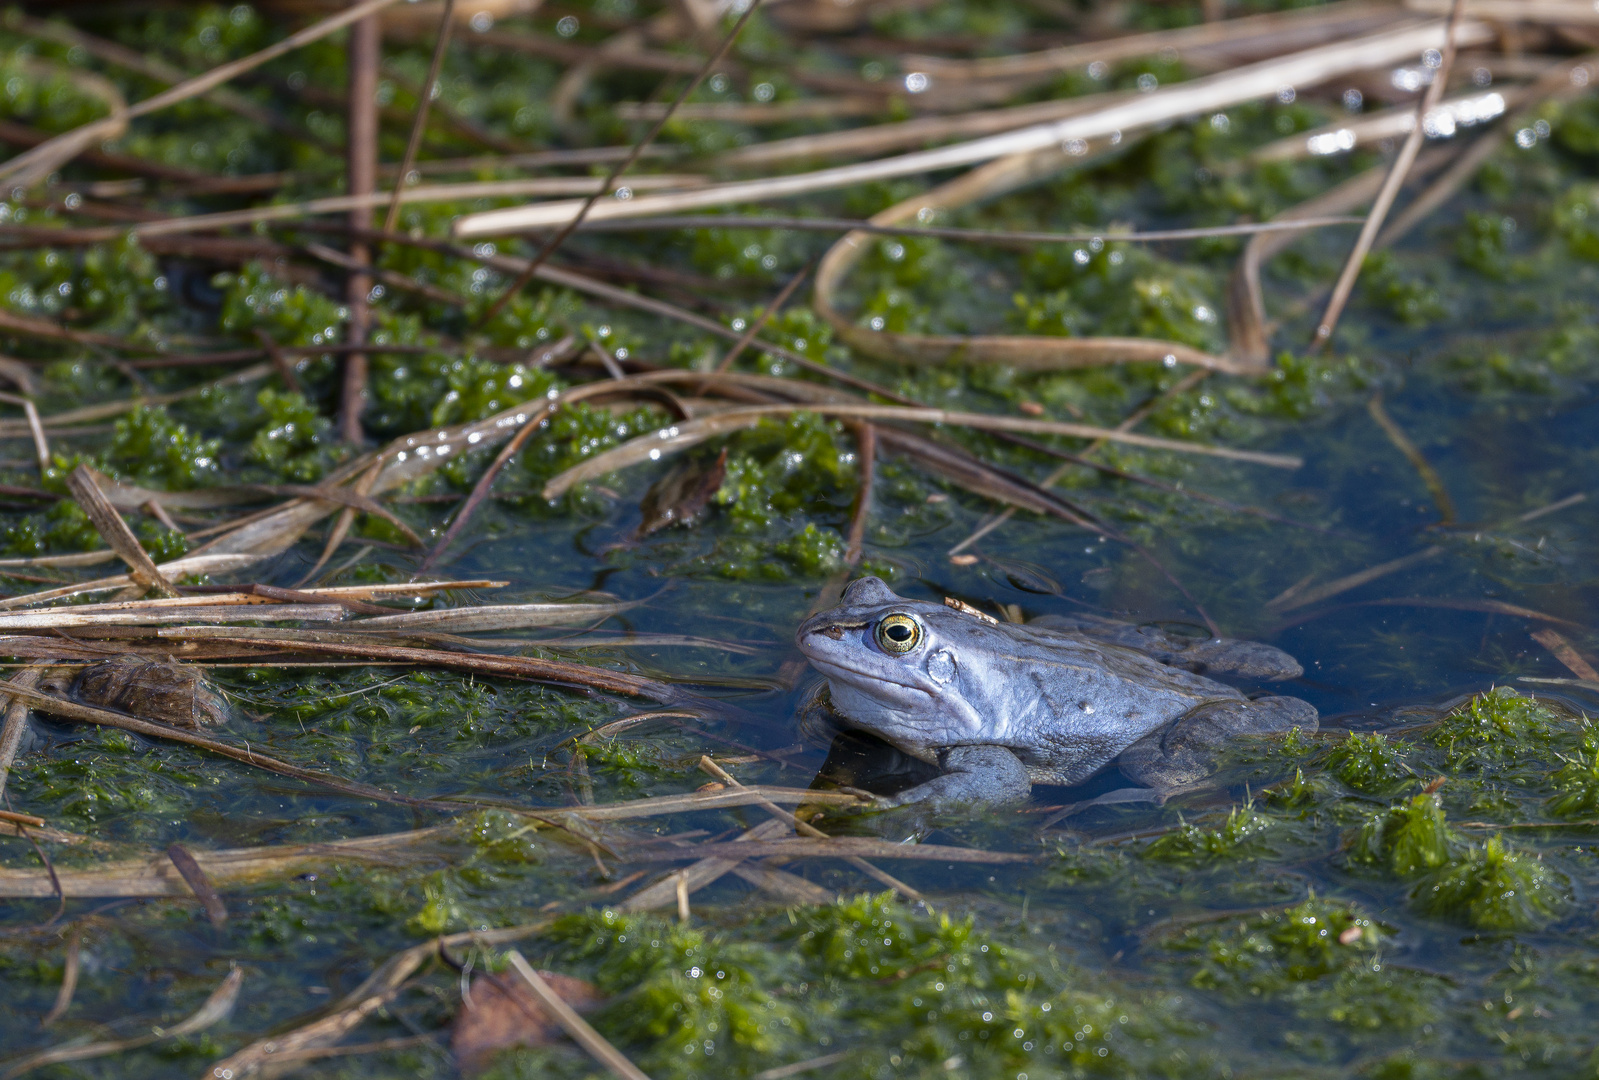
[[990, 775], [1183, 752]]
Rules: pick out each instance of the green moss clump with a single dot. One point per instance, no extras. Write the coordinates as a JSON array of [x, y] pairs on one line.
[[292, 315], [152, 449], [1242, 835], [700, 1001], [293, 442], [1407, 839], [1498, 726], [1323, 958], [1493, 887], [1578, 783], [906, 990], [1483, 243], [1369, 763], [1414, 301]]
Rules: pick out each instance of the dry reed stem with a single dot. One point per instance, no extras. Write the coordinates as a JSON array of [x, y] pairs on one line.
[[1574, 661], [1418, 460], [199, 884], [327, 1026], [115, 532], [836, 847], [1008, 238], [419, 125], [1301, 599], [576, 217], [1561, 82], [1166, 105], [573, 1024], [1390, 188], [69, 978], [1027, 352], [41, 445], [1247, 330], [681, 436], [157, 875], [1065, 57], [664, 893], [28, 167], [16, 722], [805, 828]]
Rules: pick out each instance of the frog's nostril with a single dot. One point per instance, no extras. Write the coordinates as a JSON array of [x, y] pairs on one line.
[[835, 632]]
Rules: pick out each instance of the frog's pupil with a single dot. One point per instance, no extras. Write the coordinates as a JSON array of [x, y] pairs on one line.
[[899, 632]]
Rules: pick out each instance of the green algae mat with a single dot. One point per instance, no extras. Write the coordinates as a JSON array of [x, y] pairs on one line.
[[381, 625]]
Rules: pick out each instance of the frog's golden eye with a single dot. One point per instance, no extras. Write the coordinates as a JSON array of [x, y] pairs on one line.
[[898, 634]]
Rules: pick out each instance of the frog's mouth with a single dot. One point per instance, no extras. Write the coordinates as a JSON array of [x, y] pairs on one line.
[[826, 646]]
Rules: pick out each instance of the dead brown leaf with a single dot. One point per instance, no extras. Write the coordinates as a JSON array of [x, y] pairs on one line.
[[501, 1013]]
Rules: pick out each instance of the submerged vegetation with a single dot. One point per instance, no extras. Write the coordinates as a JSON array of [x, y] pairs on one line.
[[494, 704]]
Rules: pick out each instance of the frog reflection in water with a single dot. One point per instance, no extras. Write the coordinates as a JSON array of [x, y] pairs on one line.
[[998, 706]]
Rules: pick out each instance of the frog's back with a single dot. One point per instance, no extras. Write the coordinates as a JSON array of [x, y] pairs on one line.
[[1074, 702]]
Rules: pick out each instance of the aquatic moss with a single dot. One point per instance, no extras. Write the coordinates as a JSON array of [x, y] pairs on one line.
[[701, 1002], [1369, 763], [1578, 783], [1242, 835], [1493, 887], [254, 299], [293, 441], [1409, 838], [1322, 957], [1494, 727]]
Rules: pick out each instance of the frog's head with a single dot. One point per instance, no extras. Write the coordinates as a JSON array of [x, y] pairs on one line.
[[908, 671]]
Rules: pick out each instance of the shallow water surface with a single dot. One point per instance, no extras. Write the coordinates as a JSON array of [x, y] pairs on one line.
[[1407, 892]]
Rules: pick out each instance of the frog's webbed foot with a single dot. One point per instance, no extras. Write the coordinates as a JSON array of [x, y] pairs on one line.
[[1201, 655], [989, 775], [1183, 752]]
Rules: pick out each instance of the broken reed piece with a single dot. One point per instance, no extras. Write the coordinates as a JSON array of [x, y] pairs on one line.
[[41, 445], [69, 978], [1563, 651], [329, 1025], [83, 483], [13, 729], [1418, 460], [680, 436], [199, 884], [805, 828], [1391, 185], [1207, 94]]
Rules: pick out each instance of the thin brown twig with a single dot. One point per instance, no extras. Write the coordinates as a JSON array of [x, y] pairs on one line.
[[866, 445], [1413, 454], [480, 490], [760, 321], [69, 978], [1390, 188], [551, 245], [419, 125], [361, 125]]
